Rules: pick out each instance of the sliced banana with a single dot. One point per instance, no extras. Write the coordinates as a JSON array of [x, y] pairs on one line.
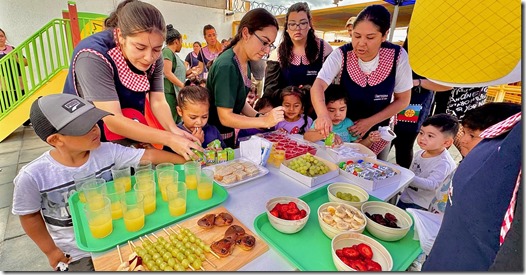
[[327, 217], [342, 226], [348, 219], [356, 225], [340, 212], [331, 209], [359, 219], [337, 219]]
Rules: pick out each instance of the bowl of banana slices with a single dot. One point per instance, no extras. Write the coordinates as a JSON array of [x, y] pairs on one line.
[[336, 217]]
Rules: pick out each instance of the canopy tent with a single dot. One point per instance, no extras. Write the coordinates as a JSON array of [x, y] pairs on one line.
[[333, 19], [397, 4]]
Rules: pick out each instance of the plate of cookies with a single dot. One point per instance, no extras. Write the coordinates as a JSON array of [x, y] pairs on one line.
[[236, 172]]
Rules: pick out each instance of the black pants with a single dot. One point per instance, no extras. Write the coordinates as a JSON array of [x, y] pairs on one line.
[[403, 144]]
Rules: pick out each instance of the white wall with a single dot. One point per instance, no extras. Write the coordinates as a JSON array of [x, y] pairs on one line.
[[22, 18]]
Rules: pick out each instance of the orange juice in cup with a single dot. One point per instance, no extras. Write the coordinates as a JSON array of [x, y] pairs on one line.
[[99, 219], [192, 170], [133, 211], [147, 190], [176, 198], [205, 186]]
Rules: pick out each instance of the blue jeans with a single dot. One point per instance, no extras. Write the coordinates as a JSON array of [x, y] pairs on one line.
[[404, 205]]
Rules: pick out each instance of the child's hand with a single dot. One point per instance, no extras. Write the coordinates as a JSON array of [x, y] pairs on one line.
[[198, 133], [337, 140], [374, 136], [55, 256]]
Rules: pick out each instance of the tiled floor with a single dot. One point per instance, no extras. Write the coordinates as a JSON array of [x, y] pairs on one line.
[[17, 251]]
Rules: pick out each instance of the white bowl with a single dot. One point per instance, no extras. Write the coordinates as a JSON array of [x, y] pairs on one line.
[[347, 239], [331, 231], [287, 226], [383, 232], [344, 187]]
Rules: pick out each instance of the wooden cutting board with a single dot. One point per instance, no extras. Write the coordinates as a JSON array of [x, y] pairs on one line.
[[110, 260]]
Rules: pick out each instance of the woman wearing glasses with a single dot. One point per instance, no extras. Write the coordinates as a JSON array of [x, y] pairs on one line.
[[375, 74], [300, 54], [209, 52], [229, 77]]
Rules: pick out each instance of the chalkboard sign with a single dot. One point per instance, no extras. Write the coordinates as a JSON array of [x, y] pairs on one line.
[[463, 99]]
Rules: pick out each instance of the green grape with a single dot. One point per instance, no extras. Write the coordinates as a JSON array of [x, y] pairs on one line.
[[355, 199], [185, 230], [162, 265], [191, 258], [146, 257], [196, 264], [185, 262], [198, 250], [149, 263], [147, 242], [158, 261], [167, 255], [180, 256], [168, 268], [172, 238], [161, 239], [206, 248], [202, 257], [156, 256], [188, 245], [154, 268], [185, 239], [180, 237], [179, 267], [191, 239], [171, 262], [187, 252], [178, 245]]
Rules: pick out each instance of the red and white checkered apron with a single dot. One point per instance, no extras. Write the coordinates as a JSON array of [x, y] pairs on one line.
[[494, 131]]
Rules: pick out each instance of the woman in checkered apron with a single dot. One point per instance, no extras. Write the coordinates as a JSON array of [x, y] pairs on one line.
[[375, 73], [121, 68]]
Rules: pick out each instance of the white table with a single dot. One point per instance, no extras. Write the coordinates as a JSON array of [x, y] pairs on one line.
[[246, 201]]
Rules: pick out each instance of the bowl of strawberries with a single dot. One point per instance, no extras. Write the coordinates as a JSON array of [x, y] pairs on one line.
[[288, 214], [358, 252]]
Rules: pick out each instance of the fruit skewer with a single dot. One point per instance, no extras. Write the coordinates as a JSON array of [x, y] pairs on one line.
[[204, 257], [206, 248], [189, 262]]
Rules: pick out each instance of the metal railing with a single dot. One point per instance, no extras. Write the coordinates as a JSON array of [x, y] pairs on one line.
[[34, 62]]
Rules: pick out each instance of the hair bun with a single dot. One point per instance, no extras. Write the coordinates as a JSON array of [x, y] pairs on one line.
[[169, 27]]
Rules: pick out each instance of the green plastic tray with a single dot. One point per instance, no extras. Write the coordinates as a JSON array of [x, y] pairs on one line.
[[310, 248], [153, 222]]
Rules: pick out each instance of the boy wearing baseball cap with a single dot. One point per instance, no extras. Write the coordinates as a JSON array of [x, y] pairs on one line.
[[43, 186]]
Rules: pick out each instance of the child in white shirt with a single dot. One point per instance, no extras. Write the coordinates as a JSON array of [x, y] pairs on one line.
[[433, 163]]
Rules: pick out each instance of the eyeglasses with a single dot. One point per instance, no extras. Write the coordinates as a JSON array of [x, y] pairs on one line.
[[266, 45], [295, 26]]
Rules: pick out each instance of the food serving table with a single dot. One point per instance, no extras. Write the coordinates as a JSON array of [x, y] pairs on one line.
[[248, 200]]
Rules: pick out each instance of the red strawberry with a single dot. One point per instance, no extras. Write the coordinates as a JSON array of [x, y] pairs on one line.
[[352, 264], [292, 205], [293, 211], [303, 213], [360, 265], [295, 217], [373, 266], [350, 252], [274, 213], [339, 253], [365, 251]]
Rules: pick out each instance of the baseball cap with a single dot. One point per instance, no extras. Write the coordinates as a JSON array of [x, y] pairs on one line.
[[350, 21], [65, 114]]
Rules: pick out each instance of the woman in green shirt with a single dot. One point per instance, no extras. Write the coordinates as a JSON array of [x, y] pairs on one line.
[[229, 77], [174, 71]]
